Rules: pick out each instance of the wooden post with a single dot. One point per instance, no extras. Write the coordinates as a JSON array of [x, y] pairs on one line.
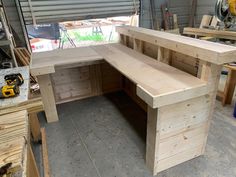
[[49, 104], [229, 87], [211, 74], [34, 127], [138, 45], [163, 55], [152, 145], [45, 154]]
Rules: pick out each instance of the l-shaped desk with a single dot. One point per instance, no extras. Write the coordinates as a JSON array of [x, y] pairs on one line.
[[179, 105]]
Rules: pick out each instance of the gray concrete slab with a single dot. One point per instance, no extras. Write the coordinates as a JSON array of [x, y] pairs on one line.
[[105, 137]]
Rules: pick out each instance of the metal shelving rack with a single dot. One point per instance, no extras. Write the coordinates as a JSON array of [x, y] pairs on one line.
[[8, 41]]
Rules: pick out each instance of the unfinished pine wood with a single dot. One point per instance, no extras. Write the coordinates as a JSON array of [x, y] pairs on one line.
[[45, 154], [221, 34], [32, 165], [138, 45], [45, 62], [35, 127], [111, 79], [163, 55], [227, 95], [204, 50], [185, 63], [13, 140], [210, 73], [206, 20], [70, 84], [158, 84], [32, 106], [13, 126], [12, 152], [48, 97], [153, 138]]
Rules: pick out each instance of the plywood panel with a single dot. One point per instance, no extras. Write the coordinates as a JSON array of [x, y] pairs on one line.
[[182, 142], [111, 78], [183, 116], [86, 81], [71, 83]]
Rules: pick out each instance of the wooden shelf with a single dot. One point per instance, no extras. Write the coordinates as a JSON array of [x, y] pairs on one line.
[[4, 42]]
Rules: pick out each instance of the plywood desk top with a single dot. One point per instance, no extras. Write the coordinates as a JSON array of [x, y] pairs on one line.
[[158, 84], [45, 62]]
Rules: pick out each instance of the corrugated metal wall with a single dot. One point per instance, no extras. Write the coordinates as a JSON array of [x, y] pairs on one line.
[[180, 7], [14, 20], [205, 7]]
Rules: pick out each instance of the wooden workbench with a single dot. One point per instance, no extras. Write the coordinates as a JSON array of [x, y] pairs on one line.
[[179, 105], [220, 34], [15, 145]]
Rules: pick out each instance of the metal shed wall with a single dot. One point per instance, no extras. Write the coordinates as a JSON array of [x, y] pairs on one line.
[[205, 7], [179, 7], [41, 11]]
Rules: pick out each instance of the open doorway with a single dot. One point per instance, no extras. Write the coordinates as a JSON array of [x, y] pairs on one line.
[[46, 37]]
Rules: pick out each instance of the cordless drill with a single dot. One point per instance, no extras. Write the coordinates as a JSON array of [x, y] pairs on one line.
[[11, 89]]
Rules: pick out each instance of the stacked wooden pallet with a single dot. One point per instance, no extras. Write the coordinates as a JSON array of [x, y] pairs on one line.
[[13, 135]]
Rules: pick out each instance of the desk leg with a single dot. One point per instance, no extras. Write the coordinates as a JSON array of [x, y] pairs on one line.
[[152, 145], [229, 87], [48, 98]]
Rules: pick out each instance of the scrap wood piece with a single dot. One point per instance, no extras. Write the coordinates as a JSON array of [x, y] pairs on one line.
[[32, 105], [35, 127], [24, 57], [45, 154]]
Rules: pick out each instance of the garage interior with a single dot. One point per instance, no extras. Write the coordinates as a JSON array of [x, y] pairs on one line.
[[117, 88]]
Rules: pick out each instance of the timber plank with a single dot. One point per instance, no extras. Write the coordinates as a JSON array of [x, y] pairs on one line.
[[204, 50], [157, 83]]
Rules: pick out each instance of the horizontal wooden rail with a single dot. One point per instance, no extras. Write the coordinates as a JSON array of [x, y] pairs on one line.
[[204, 50]]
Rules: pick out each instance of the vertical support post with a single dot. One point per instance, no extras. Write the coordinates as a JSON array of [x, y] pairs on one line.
[[229, 87], [211, 74], [138, 45], [163, 55], [32, 169], [153, 136], [122, 39], [49, 104]]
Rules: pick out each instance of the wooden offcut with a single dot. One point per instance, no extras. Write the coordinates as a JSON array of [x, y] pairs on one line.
[[23, 58]]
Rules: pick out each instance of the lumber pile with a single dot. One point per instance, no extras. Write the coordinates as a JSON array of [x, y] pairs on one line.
[[23, 58], [32, 106], [13, 126], [13, 145]]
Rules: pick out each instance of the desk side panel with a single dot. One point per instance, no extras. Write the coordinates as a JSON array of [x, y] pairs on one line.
[[76, 83], [183, 129]]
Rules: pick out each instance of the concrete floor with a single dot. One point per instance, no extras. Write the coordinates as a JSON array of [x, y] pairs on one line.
[[105, 137]]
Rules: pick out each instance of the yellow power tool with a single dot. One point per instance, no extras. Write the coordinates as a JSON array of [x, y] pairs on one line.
[[11, 89], [226, 12]]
